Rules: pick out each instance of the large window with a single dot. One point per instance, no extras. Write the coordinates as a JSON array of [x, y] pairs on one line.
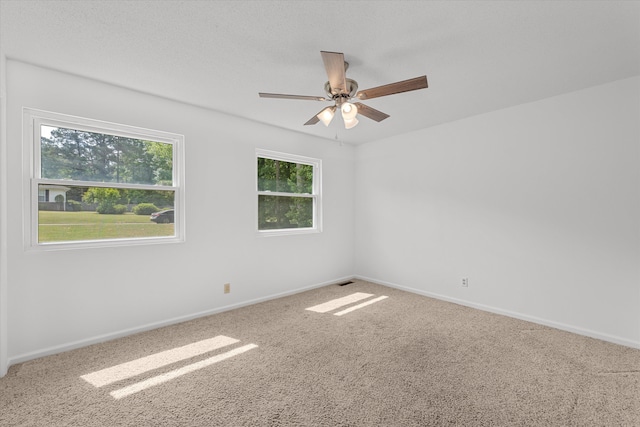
[[95, 183], [289, 196]]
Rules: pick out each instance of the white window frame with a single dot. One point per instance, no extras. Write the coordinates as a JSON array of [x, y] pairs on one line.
[[316, 193], [32, 121]]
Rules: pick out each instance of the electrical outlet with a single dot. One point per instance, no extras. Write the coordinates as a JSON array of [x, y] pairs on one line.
[[227, 288], [465, 282]]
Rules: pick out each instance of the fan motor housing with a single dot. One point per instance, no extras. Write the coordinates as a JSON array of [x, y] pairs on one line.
[[352, 87]]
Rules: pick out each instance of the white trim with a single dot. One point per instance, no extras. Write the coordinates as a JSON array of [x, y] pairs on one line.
[[73, 183], [277, 193], [533, 319], [98, 126], [287, 232], [33, 119], [4, 292], [150, 326], [278, 155], [155, 325], [316, 193]]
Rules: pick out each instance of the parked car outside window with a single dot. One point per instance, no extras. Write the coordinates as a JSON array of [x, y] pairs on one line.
[[162, 217]]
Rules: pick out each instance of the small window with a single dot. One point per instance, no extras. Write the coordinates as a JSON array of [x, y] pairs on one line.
[[94, 183], [288, 193]]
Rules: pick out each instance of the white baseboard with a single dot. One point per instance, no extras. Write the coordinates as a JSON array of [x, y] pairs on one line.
[[125, 332], [557, 325]]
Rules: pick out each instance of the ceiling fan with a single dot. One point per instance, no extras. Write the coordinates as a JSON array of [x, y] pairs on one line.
[[341, 90]]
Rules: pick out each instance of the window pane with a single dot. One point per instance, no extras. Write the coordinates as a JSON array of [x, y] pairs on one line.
[[278, 212], [73, 213], [284, 177], [89, 156]]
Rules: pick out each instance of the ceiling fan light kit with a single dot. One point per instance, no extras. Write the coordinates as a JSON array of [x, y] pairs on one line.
[[348, 124], [340, 89], [326, 115], [349, 111]]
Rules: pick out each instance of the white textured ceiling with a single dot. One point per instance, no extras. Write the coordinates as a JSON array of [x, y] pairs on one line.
[[479, 56]]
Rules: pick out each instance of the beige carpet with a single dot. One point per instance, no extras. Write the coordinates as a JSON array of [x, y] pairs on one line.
[[406, 360]]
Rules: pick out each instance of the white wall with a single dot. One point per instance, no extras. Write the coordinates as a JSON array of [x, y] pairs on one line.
[[538, 205], [62, 299], [4, 355]]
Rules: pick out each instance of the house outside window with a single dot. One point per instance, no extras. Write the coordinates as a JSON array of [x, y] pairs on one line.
[[93, 183], [53, 194], [288, 194]]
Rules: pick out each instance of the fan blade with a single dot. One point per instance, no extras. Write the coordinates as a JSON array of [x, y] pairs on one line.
[[372, 113], [313, 120], [334, 64], [282, 96], [390, 89]]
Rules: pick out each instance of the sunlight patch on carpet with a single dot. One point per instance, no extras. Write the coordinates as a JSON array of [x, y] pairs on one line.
[[364, 304], [154, 361], [339, 302], [160, 379]]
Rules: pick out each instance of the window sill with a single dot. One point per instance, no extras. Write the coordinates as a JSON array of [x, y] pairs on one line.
[[287, 232], [90, 244]]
